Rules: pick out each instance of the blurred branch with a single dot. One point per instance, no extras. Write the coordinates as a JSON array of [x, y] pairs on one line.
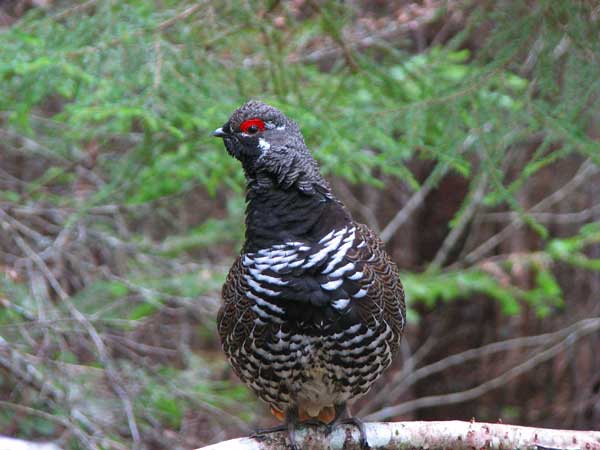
[[349, 199], [111, 372], [413, 203], [159, 28], [575, 332], [447, 435], [21, 369], [547, 217], [83, 437], [80, 8], [406, 379], [465, 219], [391, 31], [336, 35], [587, 169], [89, 441], [182, 15], [409, 375]]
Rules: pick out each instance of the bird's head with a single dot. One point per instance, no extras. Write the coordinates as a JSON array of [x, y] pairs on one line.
[[270, 147]]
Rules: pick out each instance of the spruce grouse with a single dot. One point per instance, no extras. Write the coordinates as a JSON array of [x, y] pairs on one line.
[[313, 308]]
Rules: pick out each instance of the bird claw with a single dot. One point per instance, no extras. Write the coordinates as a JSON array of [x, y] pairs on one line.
[[261, 432], [364, 444], [310, 422], [314, 422]]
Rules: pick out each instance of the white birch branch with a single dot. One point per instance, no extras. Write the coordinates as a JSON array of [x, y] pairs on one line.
[[424, 435], [8, 443]]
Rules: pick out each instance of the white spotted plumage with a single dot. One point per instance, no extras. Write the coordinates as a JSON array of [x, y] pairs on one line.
[[267, 272]]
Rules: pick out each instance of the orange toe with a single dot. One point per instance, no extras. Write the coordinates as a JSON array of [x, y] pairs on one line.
[[278, 414], [303, 415], [327, 414]]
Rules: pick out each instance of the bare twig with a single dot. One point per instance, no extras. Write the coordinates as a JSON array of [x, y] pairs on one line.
[[22, 368], [366, 211], [181, 16], [586, 170], [496, 347], [74, 10], [457, 231], [161, 27], [546, 217], [360, 42], [159, 62], [408, 376], [413, 203], [116, 382], [578, 331], [88, 441]]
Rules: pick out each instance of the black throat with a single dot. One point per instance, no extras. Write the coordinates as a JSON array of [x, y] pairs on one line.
[[276, 215]]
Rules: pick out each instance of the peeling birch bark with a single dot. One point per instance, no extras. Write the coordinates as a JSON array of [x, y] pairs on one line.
[[424, 435]]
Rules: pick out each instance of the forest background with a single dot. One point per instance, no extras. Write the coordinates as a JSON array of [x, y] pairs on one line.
[[465, 132]]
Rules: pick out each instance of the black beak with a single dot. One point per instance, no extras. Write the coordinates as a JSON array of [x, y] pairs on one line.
[[220, 133]]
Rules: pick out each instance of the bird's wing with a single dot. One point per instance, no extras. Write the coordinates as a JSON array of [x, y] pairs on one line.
[[346, 276]]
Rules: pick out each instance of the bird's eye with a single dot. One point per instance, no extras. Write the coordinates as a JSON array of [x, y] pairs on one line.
[[252, 126]]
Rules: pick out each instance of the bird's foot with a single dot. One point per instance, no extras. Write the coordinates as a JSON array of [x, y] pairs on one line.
[[317, 423], [261, 432], [293, 420], [364, 444], [291, 431]]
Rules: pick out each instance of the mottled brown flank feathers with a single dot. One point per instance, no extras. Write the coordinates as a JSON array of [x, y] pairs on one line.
[[386, 293], [235, 312], [313, 309]]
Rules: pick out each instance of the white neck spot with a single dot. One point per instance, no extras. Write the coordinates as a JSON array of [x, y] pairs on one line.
[[263, 144]]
